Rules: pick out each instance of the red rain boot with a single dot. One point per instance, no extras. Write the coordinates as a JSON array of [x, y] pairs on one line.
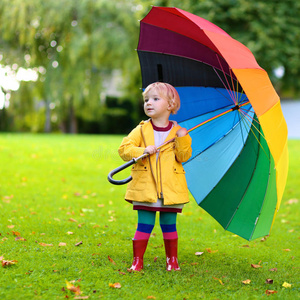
[[171, 247], [139, 248]]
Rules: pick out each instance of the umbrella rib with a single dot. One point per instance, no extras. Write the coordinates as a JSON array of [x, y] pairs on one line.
[[228, 85], [258, 141], [227, 89], [246, 115]]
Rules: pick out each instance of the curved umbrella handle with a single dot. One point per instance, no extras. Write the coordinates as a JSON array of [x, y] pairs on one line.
[[122, 167]]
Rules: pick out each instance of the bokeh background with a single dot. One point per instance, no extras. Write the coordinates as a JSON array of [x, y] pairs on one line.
[[70, 66]]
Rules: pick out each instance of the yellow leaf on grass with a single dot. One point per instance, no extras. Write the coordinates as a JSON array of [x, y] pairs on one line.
[[286, 285], [62, 244], [73, 288], [247, 281], [221, 282], [211, 251], [116, 285]]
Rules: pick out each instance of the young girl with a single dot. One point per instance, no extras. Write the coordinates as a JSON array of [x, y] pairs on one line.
[[158, 180]]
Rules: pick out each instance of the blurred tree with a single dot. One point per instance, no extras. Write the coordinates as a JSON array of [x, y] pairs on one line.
[[73, 44]]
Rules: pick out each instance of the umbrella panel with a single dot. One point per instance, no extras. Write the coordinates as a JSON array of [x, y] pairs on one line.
[[247, 191], [180, 71]]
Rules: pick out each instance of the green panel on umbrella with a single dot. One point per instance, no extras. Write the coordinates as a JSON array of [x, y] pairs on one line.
[[245, 217], [269, 206], [222, 201]]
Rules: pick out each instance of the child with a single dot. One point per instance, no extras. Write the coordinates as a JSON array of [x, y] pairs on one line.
[[158, 181]]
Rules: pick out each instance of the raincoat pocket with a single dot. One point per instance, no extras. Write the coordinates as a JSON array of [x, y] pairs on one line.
[[139, 177], [180, 177]]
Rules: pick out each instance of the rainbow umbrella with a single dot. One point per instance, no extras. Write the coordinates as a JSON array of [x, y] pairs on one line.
[[239, 165]]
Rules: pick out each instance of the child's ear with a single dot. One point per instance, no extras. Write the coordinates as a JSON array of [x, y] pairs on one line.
[[170, 105]]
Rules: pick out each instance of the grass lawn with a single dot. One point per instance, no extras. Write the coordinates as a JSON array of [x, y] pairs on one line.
[[61, 220]]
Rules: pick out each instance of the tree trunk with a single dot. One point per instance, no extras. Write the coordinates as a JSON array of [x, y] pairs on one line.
[[72, 118], [47, 128]]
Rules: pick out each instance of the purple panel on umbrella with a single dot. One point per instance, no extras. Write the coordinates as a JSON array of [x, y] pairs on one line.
[[160, 40]]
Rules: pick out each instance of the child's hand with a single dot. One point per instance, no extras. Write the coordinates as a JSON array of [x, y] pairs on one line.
[[150, 150], [181, 132]]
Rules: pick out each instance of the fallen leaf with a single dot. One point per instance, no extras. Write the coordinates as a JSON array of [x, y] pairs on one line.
[[111, 260], [269, 281], [246, 246], [286, 250], [18, 238], [199, 253], [81, 297], [70, 232], [255, 266], [269, 292], [45, 245], [247, 281], [155, 258], [6, 263], [10, 226], [263, 239], [211, 251], [292, 201], [16, 233], [218, 280], [79, 243], [273, 270], [73, 220], [286, 285], [73, 288], [151, 297], [62, 244], [116, 285]]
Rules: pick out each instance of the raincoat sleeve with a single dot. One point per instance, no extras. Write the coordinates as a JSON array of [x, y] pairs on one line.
[[183, 149], [131, 145]]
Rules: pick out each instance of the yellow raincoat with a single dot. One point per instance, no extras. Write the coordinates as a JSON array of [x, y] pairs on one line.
[[156, 177]]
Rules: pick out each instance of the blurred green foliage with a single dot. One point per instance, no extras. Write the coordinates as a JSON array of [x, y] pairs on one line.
[[76, 45]]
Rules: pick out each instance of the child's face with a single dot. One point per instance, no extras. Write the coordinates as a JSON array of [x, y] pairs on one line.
[[156, 106]]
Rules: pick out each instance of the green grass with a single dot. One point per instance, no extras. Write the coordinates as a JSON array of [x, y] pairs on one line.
[[48, 180]]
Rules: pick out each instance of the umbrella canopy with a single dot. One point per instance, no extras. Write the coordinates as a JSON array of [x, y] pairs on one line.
[[239, 165]]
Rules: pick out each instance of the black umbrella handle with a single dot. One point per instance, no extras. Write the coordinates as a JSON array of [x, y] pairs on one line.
[[121, 168]]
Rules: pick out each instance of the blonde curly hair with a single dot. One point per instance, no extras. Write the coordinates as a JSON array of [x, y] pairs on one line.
[[166, 91]]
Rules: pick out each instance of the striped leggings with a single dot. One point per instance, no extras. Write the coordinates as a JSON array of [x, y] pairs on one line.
[[146, 221]]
